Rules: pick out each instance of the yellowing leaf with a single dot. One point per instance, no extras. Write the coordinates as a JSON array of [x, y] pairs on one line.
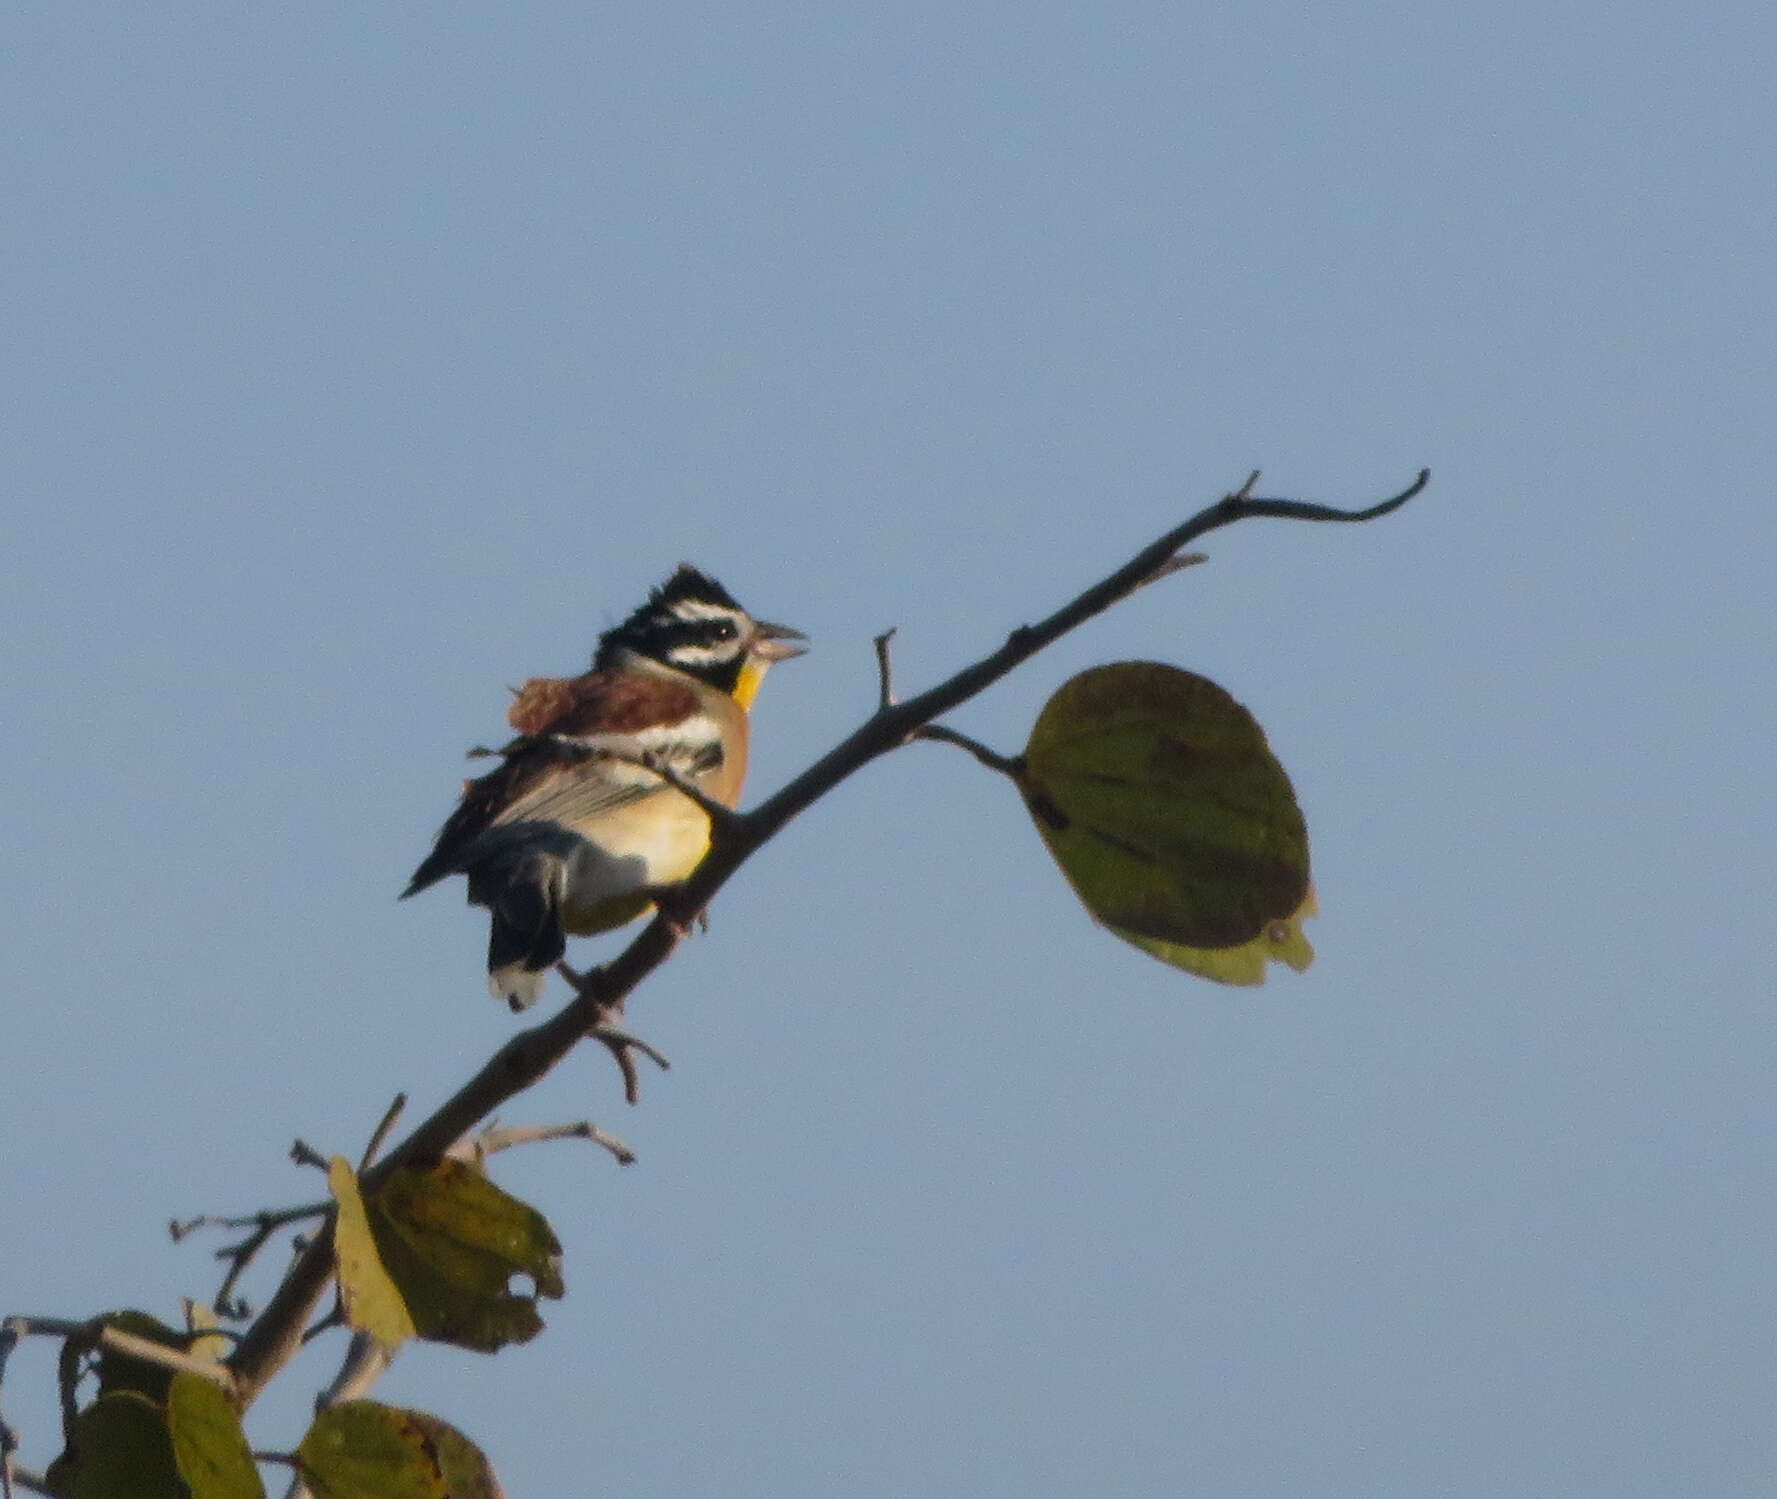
[[1282, 941], [362, 1449], [208, 1442], [453, 1242], [464, 1465], [373, 1303], [1159, 798]]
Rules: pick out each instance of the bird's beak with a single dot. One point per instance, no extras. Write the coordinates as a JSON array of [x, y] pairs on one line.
[[775, 642]]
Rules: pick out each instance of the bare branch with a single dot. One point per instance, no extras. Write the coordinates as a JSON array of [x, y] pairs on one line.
[[365, 1362], [26, 1478], [622, 1047], [239, 1256], [939, 734], [885, 671], [491, 1140], [95, 1333], [531, 1054], [305, 1154], [181, 1228], [1304, 510], [381, 1133], [11, 1331], [613, 1037], [1174, 565]]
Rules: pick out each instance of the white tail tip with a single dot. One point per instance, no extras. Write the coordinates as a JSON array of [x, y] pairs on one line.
[[517, 985]]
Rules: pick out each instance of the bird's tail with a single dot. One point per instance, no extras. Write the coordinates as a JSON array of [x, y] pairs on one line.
[[525, 940]]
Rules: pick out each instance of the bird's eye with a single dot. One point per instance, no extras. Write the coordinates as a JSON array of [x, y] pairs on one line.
[[726, 629]]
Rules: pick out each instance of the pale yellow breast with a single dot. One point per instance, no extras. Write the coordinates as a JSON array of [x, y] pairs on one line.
[[656, 840]]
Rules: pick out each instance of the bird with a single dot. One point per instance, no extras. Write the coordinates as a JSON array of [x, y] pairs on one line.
[[571, 832]]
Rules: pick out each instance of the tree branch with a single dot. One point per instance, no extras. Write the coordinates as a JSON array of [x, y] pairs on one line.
[[531, 1054], [492, 1139], [885, 670], [939, 734], [95, 1333]]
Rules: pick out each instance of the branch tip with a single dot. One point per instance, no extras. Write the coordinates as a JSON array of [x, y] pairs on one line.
[[304, 1154], [493, 1139], [885, 671], [381, 1133]]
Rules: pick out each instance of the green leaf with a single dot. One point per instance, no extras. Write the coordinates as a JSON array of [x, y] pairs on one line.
[[1159, 798], [373, 1302], [362, 1449], [466, 1469], [453, 1242], [124, 1371], [119, 1448], [208, 1443], [1282, 941]]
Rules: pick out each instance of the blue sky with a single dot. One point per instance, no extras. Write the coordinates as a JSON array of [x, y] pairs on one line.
[[362, 360]]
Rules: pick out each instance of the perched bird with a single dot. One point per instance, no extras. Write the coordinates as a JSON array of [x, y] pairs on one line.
[[569, 833]]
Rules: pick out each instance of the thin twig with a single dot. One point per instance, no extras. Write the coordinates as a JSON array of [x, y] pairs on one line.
[[264, 1226], [365, 1362], [239, 1257], [724, 820], [885, 671], [493, 1139], [336, 1317], [26, 1478], [623, 1047], [1174, 565], [96, 1333], [381, 1132], [182, 1228], [614, 1037], [939, 734], [531, 1054], [10, 1334]]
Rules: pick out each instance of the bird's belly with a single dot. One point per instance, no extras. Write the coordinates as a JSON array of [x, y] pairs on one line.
[[605, 883]]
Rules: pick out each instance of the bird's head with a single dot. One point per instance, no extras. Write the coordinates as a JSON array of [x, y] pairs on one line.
[[693, 625]]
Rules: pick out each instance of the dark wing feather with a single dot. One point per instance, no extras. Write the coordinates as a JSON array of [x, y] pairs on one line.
[[543, 779]]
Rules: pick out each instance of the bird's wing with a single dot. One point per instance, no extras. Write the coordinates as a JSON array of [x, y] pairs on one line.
[[574, 759]]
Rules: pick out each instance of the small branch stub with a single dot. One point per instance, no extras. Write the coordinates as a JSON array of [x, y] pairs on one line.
[[885, 671]]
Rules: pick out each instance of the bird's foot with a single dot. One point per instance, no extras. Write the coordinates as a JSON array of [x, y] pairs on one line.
[[677, 912]]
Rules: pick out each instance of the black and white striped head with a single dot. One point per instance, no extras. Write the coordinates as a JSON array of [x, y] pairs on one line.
[[692, 624]]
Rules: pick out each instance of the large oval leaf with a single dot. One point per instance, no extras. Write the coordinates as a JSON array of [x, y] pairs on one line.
[[457, 1248], [365, 1450], [1161, 801]]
